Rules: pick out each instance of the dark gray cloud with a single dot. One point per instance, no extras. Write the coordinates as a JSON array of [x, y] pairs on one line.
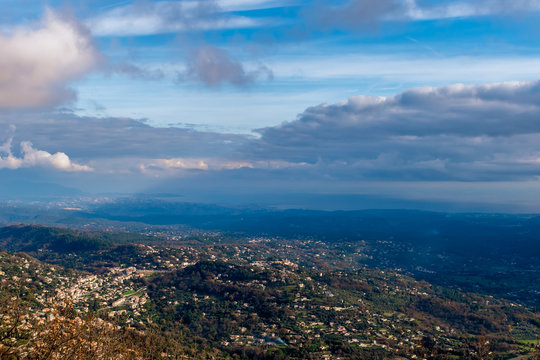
[[464, 110], [214, 67], [459, 132], [98, 139]]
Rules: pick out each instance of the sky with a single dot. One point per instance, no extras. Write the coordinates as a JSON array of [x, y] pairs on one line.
[[343, 104]]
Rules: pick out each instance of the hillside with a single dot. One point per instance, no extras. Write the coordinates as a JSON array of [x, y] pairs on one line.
[[255, 299]]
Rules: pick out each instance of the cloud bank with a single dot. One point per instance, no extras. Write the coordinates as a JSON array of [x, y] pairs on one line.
[[464, 133], [459, 132], [38, 63]]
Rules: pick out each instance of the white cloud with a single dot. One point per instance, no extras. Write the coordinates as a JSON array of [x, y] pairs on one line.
[[37, 158], [165, 17], [174, 165], [362, 14], [456, 9], [38, 62], [244, 5], [179, 163], [399, 67]]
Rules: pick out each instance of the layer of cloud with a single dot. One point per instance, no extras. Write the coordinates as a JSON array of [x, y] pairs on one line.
[[213, 67], [176, 166], [146, 18], [108, 138], [32, 157], [453, 133], [456, 9], [459, 132], [173, 164], [38, 63], [354, 13], [402, 67], [361, 14]]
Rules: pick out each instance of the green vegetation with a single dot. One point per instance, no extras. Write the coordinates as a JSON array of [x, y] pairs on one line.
[[244, 298]]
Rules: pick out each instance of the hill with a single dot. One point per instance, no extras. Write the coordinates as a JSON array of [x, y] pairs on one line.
[[255, 298]]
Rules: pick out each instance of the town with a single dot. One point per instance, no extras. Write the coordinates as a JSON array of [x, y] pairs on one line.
[[265, 295]]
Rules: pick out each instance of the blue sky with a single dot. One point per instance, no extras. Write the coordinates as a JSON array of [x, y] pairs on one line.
[[310, 64], [426, 101]]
